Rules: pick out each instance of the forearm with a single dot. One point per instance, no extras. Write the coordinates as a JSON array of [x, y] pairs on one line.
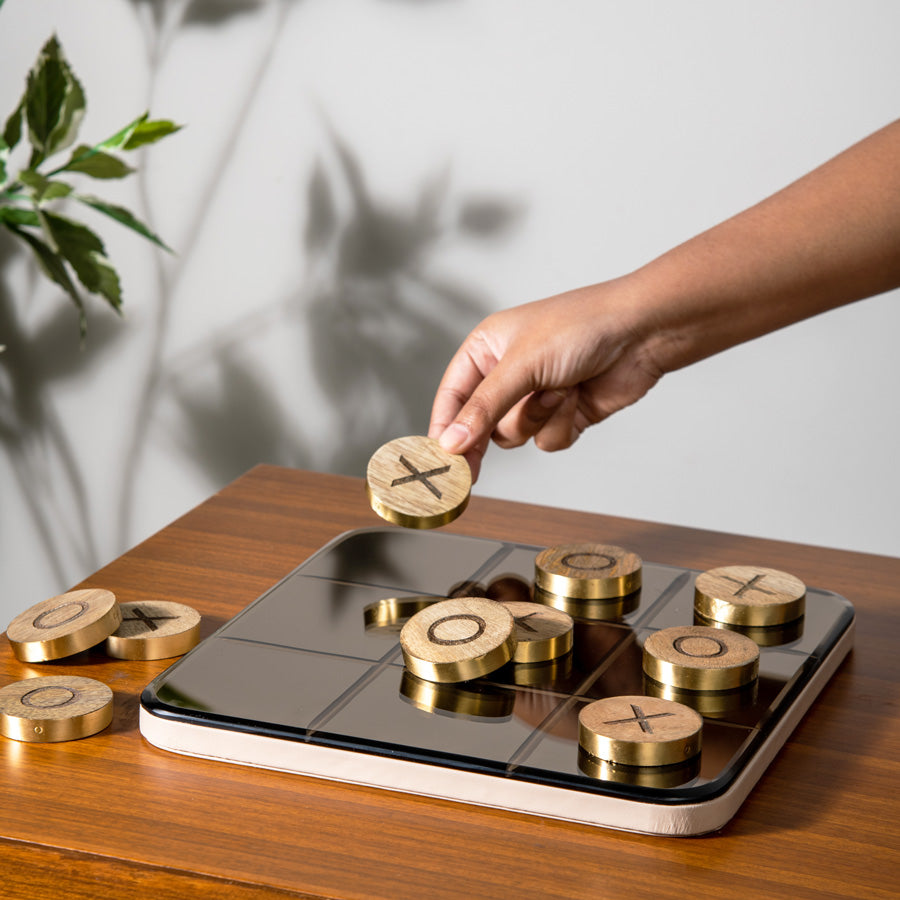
[[829, 239]]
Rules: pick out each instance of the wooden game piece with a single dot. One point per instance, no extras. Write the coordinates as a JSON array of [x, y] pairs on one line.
[[587, 571], [595, 610], [390, 614], [542, 633], [64, 625], [749, 596], [457, 640], [640, 731], [54, 708], [469, 701], [412, 482], [157, 629], [696, 658]]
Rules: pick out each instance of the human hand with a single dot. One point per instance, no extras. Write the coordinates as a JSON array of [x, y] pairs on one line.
[[545, 370]]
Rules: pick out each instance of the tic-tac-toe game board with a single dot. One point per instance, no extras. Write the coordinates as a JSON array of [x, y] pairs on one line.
[[310, 678]]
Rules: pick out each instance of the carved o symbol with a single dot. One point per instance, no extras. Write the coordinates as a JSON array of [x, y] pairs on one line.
[[432, 630], [588, 564], [39, 622], [679, 643], [52, 702]]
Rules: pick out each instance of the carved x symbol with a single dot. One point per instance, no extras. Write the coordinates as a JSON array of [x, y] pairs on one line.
[[420, 476]]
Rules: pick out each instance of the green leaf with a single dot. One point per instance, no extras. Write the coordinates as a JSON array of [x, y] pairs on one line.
[[95, 163], [85, 252], [13, 215], [123, 217], [43, 188], [55, 269], [4, 155], [150, 133], [12, 130], [121, 137], [54, 103]]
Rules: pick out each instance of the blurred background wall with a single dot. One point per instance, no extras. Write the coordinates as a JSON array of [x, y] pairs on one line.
[[360, 182]]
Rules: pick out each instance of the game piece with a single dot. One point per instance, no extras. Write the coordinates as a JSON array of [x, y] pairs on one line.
[[697, 658], [64, 625], [412, 482], [475, 701], [157, 629], [542, 633], [587, 571], [457, 640], [640, 731], [749, 596], [389, 615], [54, 708]]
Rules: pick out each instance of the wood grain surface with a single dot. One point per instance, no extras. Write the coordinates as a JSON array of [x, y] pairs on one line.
[[112, 816]]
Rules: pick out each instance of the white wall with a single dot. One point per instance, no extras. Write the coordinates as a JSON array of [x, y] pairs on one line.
[[361, 181]]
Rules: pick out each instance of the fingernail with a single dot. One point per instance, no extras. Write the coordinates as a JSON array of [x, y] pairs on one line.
[[551, 399], [454, 437]]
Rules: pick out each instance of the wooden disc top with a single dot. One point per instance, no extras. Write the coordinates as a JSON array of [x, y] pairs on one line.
[[640, 731], [54, 708], [412, 482], [64, 625], [587, 571], [456, 640], [749, 596], [542, 632], [698, 658], [154, 630]]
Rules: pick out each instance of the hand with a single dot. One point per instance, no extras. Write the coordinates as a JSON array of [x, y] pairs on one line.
[[546, 370]]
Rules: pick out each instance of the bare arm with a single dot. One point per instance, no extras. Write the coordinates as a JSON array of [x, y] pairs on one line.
[[548, 370]]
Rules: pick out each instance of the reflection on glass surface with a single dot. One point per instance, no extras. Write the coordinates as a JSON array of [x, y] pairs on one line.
[[643, 776], [475, 699]]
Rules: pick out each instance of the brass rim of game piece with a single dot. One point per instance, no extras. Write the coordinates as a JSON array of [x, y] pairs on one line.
[[392, 613], [588, 571], [64, 625], [749, 596], [154, 629], [487, 703], [458, 640], [697, 658], [542, 673], [542, 632], [54, 708], [711, 704], [593, 610], [768, 636], [413, 482], [641, 776], [637, 730]]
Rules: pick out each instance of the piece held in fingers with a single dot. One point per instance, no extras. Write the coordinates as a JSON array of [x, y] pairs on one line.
[[413, 482]]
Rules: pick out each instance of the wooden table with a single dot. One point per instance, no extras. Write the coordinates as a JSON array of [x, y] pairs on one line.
[[112, 816]]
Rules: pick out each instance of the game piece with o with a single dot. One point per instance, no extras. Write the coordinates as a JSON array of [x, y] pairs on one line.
[[457, 640], [54, 708], [699, 658], [413, 482], [64, 625], [587, 571]]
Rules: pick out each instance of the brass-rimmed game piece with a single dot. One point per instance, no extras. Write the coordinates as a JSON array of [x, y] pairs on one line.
[[470, 701], [640, 731], [710, 704], [764, 636], [696, 658], [413, 482], [749, 596], [54, 708], [643, 776], [64, 625], [594, 610], [457, 640], [157, 629], [542, 632], [587, 571], [390, 614]]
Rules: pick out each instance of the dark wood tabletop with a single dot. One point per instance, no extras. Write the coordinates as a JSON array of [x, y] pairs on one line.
[[113, 816]]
